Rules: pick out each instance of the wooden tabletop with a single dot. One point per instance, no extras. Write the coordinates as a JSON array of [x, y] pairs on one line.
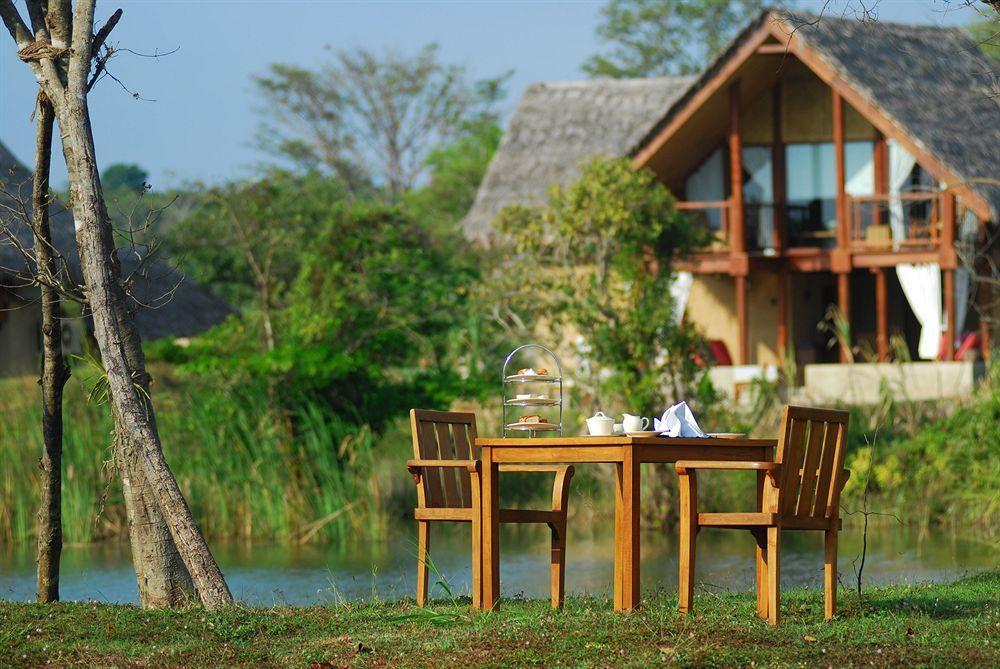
[[621, 440]]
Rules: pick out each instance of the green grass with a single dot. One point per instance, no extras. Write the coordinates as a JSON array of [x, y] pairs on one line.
[[920, 626]]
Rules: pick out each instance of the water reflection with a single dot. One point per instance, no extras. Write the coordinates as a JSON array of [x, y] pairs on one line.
[[276, 574]]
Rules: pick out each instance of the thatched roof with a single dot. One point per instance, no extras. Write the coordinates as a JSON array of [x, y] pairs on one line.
[[171, 305], [933, 82], [557, 127]]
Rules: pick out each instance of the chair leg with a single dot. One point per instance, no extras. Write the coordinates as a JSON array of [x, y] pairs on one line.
[[773, 574], [558, 566], [830, 572], [688, 539], [760, 537], [423, 545]]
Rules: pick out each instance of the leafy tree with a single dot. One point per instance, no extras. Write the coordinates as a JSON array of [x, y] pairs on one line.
[[648, 38], [364, 324], [986, 32], [597, 258], [366, 118], [124, 176]]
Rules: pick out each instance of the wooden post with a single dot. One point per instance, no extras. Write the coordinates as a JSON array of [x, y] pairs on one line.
[[880, 160], [737, 241], [844, 302], [881, 314], [737, 228], [742, 320], [842, 261], [948, 275], [777, 170], [843, 231], [782, 339]]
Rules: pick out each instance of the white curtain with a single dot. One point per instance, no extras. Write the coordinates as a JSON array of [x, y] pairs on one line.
[[922, 286], [900, 165], [680, 291]]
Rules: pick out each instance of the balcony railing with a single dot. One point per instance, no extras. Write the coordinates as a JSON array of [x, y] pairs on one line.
[[907, 221], [902, 221], [711, 216]]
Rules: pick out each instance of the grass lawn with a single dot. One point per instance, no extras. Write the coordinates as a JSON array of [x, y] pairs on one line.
[[955, 624]]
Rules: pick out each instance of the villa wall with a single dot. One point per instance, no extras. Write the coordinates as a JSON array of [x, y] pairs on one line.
[[712, 309]]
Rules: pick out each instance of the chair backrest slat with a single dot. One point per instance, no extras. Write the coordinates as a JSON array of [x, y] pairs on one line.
[[826, 471], [447, 449], [443, 435], [463, 451], [807, 486], [811, 454]]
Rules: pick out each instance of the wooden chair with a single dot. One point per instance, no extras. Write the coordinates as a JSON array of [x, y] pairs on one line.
[[799, 491], [446, 471]]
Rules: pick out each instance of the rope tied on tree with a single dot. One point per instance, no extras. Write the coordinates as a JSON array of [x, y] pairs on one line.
[[40, 50]]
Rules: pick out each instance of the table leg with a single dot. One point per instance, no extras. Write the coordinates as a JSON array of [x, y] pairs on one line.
[[627, 593], [491, 530]]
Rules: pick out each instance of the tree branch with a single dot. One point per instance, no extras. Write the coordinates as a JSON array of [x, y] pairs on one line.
[[82, 45], [15, 24]]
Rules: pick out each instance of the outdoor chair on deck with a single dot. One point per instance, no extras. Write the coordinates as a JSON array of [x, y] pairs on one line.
[[446, 471], [799, 491]]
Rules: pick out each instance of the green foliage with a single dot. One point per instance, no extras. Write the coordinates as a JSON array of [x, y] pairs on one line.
[[456, 171], [364, 324], [596, 258], [948, 469], [268, 222], [986, 32], [124, 176], [650, 38]]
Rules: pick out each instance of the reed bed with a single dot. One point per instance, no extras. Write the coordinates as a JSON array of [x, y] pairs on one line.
[[247, 471]]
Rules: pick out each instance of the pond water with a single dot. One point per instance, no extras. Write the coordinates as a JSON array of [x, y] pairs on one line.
[[266, 575]]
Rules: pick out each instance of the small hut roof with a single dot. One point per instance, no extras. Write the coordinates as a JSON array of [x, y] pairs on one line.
[[170, 304], [557, 127]]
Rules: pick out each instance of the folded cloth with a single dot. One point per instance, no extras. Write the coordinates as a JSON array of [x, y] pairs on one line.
[[678, 421]]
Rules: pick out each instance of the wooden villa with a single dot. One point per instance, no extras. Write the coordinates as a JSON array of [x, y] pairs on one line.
[[836, 163]]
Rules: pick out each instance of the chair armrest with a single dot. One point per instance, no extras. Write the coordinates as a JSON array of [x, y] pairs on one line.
[[417, 466], [845, 474], [685, 467]]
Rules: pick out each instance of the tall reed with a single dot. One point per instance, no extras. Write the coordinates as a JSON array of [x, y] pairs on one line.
[[247, 471]]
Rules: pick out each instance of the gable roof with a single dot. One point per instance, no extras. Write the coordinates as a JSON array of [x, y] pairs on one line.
[[172, 305], [932, 83], [558, 126]]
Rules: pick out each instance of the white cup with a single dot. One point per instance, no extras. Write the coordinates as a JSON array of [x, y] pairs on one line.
[[632, 423]]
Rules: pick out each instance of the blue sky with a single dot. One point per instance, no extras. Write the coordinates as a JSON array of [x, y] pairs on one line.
[[202, 123]]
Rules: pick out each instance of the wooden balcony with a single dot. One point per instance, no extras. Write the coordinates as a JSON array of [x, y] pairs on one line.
[[905, 224], [895, 223]]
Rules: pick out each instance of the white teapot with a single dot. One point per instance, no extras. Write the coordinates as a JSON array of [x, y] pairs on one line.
[[600, 425]]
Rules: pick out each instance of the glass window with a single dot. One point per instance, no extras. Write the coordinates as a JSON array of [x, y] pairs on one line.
[[812, 194]]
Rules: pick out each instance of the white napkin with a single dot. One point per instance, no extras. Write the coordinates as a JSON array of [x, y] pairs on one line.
[[678, 421]]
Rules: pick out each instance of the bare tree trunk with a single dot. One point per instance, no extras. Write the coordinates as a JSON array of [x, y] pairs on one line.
[[162, 577], [55, 373], [121, 350], [62, 70]]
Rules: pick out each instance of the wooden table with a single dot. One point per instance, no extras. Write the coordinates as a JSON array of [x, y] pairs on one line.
[[626, 453]]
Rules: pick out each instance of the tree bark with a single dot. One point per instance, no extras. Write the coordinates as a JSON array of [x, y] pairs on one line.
[[121, 350], [55, 373], [63, 77]]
